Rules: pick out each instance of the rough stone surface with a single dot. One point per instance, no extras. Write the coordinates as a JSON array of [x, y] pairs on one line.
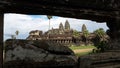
[[114, 33], [97, 10], [1, 38], [41, 55], [100, 60]]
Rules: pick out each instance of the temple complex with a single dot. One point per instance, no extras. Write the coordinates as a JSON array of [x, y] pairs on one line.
[[97, 10], [63, 35]]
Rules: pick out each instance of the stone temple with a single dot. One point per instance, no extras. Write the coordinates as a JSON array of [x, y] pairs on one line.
[[63, 35]]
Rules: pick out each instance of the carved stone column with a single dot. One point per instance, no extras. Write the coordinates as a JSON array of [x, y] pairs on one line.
[[1, 38], [114, 33]]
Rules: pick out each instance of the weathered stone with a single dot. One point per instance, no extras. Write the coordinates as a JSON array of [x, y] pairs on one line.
[[1, 37], [54, 48], [114, 33], [97, 10], [49, 56], [100, 60]]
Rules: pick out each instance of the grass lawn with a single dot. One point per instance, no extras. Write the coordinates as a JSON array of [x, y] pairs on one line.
[[83, 53], [82, 50], [81, 47]]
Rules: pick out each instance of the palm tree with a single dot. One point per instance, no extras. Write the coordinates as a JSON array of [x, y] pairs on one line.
[[17, 32], [49, 17]]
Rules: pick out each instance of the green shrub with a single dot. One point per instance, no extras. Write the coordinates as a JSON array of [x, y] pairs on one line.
[[101, 47]]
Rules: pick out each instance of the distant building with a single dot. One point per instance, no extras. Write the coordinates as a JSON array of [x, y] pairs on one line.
[[61, 30], [35, 35], [63, 35]]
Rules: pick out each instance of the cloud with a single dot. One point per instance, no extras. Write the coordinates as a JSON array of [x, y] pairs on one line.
[[26, 23]]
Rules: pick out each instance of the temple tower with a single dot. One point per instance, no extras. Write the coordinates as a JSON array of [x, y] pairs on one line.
[[61, 26], [61, 29], [84, 28], [67, 25]]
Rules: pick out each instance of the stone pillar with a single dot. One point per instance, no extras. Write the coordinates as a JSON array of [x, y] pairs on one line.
[[1, 38], [57, 40], [68, 41], [65, 41], [114, 33], [61, 41]]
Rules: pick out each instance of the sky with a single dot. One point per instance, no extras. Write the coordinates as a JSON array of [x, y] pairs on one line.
[[26, 23]]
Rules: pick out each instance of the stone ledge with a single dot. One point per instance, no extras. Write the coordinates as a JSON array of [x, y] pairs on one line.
[[107, 59], [34, 54]]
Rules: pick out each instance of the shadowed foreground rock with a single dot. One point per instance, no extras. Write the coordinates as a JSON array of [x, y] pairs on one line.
[[100, 60], [34, 54]]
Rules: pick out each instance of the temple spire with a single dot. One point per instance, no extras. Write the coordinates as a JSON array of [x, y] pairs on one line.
[[67, 25], [84, 28], [61, 26]]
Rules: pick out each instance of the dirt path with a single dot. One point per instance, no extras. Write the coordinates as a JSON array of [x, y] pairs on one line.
[[82, 50]]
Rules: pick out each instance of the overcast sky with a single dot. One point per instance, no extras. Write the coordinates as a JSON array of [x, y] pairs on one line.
[[25, 23]]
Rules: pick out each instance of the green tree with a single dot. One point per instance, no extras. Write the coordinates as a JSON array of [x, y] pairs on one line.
[[100, 33], [76, 33], [99, 41]]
